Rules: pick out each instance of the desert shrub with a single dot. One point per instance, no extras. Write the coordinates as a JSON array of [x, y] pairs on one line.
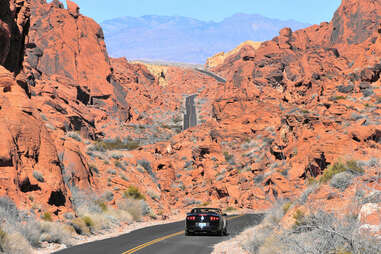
[[46, 216], [147, 166], [341, 180], [74, 135], [3, 240], [111, 171], [134, 193], [339, 167], [336, 98], [31, 232], [229, 209], [55, 233], [117, 155], [79, 226], [354, 167], [137, 208], [299, 218], [16, 244], [85, 202], [286, 207], [317, 232], [38, 176], [88, 221], [116, 144], [108, 196], [154, 194], [102, 205], [229, 157], [191, 202], [323, 232], [304, 197]]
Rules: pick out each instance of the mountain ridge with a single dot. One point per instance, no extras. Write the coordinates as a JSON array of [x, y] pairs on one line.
[[184, 39]]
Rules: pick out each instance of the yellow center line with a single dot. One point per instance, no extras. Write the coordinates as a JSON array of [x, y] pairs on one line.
[[142, 246]]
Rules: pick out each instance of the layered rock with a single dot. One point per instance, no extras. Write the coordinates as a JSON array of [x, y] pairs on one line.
[[14, 26]]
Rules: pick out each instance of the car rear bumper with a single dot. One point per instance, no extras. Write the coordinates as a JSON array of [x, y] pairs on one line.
[[208, 229]]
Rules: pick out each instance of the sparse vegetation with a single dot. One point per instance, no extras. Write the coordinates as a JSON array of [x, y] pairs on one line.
[[230, 209], [115, 144], [286, 207], [317, 232], [134, 193], [339, 167], [38, 176], [336, 98], [46, 216], [74, 135], [147, 166]]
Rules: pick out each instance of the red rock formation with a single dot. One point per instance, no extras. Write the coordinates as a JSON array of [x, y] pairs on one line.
[[289, 109], [14, 24]]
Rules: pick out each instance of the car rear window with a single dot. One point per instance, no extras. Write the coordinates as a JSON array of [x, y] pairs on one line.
[[205, 210]]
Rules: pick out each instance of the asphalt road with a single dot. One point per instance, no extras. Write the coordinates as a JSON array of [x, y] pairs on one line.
[[164, 239], [211, 74], [190, 118]]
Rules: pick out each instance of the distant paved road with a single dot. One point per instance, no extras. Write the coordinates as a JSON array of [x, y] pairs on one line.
[[164, 239], [211, 74], [190, 117]]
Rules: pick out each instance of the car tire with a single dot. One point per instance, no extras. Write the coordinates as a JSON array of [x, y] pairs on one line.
[[225, 231], [187, 233], [220, 232]]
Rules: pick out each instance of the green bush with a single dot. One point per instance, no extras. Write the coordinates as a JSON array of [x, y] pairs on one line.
[[3, 240], [286, 207], [299, 217], [339, 167], [47, 216], [229, 209], [336, 98], [116, 144], [102, 205], [80, 226], [133, 192], [88, 221]]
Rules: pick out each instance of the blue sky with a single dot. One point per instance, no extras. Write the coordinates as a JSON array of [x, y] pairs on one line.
[[309, 11]]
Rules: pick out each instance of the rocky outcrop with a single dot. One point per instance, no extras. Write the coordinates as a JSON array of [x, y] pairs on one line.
[[75, 51], [27, 148], [219, 58], [14, 26]]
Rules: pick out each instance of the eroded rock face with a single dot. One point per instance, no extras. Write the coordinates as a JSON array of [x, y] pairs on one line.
[[14, 25], [75, 50], [26, 147]]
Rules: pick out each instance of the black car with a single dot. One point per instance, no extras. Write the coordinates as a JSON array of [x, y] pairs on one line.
[[206, 220]]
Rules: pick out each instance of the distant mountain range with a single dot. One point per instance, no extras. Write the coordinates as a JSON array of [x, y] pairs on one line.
[[188, 40]]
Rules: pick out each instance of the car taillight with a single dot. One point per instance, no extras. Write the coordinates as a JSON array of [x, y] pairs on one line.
[[214, 218], [191, 218]]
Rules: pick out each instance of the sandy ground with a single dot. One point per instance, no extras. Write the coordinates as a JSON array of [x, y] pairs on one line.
[[50, 248], [228, 247], [234, 244]]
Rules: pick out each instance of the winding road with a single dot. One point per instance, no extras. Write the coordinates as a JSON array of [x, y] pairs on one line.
[[164, 239]]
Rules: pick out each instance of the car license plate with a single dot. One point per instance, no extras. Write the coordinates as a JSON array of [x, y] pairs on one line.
[[202, 224]]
